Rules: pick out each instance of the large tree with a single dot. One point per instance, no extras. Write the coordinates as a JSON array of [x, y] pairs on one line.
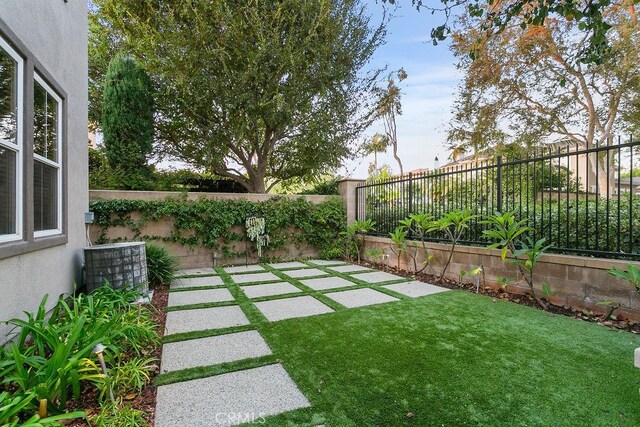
[[525, 82], [590, 16], [259, 91], [127, 121], [389, 106]]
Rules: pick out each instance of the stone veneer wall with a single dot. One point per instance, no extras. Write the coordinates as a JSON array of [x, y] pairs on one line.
[[579, 282], [198, 256]]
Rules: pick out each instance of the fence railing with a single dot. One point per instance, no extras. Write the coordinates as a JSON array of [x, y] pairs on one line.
[[583, 200]]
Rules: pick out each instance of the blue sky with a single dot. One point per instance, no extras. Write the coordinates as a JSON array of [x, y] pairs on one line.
[[428, 91]]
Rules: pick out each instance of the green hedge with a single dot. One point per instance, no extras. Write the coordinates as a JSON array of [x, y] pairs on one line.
[[211, 223]]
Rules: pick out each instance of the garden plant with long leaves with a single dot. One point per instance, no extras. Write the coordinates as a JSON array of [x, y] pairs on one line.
[[510, 235]]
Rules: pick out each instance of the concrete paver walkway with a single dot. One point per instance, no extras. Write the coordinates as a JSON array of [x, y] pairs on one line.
[[252, 393]]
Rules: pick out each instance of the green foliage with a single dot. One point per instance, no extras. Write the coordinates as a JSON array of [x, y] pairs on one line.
[[399, 242], [510, 236], [352, 240], [161, 266], [119, 414], [52, 356], [127, 122], [11, 407], [631, 275], [132, 375], [453, 224], [279, 88], [136, 333], [324, 188], [216, 224], [374, 254], [505, 231]]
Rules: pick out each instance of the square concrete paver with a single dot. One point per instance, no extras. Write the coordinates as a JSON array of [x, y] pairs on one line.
[[195, 282], [309, 272], [289, 308], [326, 262], [416, 289], [254, 277], [293, 264], [201, 319], [349, 268], [268, 289], [199, 296], [212, 350], [244, 268], [228, 399], [377, 277], [360, 297], [195, 271], [322, 283]]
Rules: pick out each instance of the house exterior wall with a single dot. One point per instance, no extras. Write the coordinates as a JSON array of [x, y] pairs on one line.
[[53, 33]]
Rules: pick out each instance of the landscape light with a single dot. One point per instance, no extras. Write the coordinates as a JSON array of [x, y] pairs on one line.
[[98, 349]]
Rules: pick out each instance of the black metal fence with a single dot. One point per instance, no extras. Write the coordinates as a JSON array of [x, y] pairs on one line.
[[583, 200]]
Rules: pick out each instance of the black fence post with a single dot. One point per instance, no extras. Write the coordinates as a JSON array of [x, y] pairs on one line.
[[499, 184], [357, 204], [410, 202]]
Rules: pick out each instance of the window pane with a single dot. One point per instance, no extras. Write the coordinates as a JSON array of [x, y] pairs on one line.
[[7, 191], [8, 97], [45, 196], [45, 120]]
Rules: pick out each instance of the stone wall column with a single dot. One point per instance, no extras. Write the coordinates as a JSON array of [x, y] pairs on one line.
[[347, 190]]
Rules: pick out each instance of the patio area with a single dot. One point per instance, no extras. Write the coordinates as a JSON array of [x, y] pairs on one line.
[[215, 317], [309, 343]]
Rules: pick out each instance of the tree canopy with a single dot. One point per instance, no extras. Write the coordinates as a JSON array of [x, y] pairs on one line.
[[127, 121], [522, 86], [589, 16], [259, 91]]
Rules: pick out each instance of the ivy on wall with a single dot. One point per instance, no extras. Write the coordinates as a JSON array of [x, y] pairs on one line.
[[217, 224]]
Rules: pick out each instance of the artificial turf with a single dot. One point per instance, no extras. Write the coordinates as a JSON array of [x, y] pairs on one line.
[[456, 359]]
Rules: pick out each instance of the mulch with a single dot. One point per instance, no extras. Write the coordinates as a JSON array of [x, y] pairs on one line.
[[145, 401], [617, 322]]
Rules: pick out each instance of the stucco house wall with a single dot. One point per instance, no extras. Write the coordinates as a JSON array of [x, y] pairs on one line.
[[54, 35]]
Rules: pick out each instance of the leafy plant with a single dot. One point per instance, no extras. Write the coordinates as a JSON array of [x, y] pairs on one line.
[[161, 266], [376, 255], [132, 375], [631, 275], [453, 224], [52, 355], [504, 282], [399, 241], [508, 234], [418, 226], [352, 232], [119, 415], [11, 406], [136, 333], [547, 291]]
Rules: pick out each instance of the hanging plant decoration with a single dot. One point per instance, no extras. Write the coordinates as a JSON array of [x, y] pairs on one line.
[[255, 232]]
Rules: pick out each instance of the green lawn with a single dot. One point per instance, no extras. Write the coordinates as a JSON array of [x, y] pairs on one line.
[[456, 359]]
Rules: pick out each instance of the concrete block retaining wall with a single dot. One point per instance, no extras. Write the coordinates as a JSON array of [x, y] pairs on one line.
[[579, 282]]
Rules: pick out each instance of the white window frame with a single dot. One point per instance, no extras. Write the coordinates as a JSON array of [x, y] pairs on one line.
[[18, 147], [58, 164]]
